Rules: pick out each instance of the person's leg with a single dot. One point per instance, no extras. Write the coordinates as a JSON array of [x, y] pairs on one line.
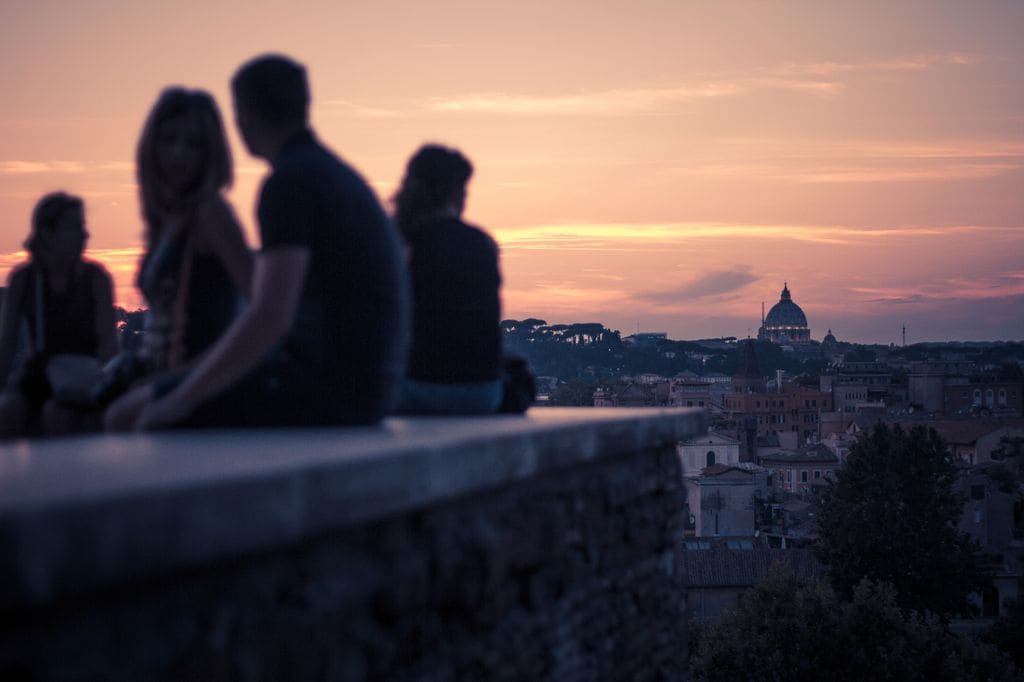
[[280, 393], [122, 413], [13, 414], [60, 420]]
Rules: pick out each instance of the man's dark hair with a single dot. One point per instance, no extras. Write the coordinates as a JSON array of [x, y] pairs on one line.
[[46, 216], [435, 176], [274, 88]]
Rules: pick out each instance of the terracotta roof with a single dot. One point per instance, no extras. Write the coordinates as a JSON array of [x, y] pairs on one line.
[[718, 469], [814, 453], [963, 431]]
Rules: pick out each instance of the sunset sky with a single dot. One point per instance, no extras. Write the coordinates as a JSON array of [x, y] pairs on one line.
[[665, 164]]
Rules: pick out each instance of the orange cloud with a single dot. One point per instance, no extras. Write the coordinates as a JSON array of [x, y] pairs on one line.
[[915, 63], [61, 167]]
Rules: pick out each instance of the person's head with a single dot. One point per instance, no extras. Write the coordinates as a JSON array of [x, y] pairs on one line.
[[58, 234], [183, 155], [434, 184], [271, 96]]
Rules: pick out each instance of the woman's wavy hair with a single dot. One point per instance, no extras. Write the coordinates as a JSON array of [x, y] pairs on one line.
[[156, 196], [434, 177], [45, 217]]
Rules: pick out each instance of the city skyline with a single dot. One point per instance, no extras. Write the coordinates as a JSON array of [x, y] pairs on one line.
[[661, 165]]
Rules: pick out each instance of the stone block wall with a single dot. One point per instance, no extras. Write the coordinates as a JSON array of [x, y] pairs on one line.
[[573, 572]]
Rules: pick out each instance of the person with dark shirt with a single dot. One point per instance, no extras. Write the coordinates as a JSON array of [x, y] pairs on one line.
[[321, 341], [455, 358], [66, 303]]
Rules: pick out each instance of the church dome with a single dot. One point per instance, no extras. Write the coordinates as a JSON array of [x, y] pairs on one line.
[[785, 313]]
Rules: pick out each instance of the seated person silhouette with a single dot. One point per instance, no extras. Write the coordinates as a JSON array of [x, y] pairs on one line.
[[196, 266], [66, 303], [455, 357], [321, 341]]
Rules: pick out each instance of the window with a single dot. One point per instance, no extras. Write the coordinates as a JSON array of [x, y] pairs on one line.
[[817, 474], [977, 396], [700, 403], [990, 397], [803, 477], [711, 458], [1002, 396], [977, 492]]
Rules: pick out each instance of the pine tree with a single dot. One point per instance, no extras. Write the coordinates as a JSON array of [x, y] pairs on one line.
[[891, 515]]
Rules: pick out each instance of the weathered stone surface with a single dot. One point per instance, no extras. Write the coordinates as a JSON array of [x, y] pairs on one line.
[[425, 550]]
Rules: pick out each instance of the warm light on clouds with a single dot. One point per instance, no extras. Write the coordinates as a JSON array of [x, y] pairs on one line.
[[651, 163]]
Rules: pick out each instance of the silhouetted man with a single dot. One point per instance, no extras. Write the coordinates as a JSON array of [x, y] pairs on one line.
[[322, 341]]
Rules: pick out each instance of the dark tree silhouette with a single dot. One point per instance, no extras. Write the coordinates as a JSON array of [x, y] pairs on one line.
[[891, 515], [789, 629]]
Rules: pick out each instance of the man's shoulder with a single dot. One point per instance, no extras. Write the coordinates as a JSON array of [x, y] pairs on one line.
[[311, 157], [477, 236], [315, 169], [94, 269], [19, 273]]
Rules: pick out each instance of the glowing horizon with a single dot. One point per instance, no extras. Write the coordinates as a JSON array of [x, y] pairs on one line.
[[662, 164]]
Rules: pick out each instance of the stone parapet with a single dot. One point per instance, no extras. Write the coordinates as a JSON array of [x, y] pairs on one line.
[[536, 547]]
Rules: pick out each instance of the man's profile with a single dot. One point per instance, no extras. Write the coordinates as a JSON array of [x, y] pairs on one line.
[[322, 341]]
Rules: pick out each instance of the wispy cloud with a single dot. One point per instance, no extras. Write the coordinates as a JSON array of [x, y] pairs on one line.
[[940, 291], [612, 237], [348, 108], [618, 102], [829, 161], [819, 79], [705, 285], [912, 63], [865, 174], [16, 167]]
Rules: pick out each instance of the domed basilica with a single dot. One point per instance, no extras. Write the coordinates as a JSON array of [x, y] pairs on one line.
[[785, 323]]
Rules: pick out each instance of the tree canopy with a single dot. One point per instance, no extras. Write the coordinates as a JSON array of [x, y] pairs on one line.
[[891, 514], [789, 629]]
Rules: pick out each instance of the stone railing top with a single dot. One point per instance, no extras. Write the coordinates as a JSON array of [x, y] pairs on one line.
[[84, 512]]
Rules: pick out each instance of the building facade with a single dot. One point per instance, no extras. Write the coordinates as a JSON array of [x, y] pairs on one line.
[[794, 408], [707, 450], [800, 471]]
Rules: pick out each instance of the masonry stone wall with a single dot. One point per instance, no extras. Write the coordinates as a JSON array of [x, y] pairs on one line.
[[572, 572]]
